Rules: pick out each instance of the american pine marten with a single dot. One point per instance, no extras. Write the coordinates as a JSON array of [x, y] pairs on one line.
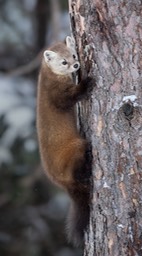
[[62, 149]]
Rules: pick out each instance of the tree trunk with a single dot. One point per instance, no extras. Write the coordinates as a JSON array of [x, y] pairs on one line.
[[108, 34]]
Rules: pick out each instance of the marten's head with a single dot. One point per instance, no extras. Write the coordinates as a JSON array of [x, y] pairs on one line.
[[62, 58]]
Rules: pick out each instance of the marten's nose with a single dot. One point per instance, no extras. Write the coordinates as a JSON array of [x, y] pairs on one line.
[[75, 66]]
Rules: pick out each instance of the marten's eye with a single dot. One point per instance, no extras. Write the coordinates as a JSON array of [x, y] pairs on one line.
[[74, 56], [64, 62]]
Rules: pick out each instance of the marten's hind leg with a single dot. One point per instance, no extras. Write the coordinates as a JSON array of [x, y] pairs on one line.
[[69, 162]]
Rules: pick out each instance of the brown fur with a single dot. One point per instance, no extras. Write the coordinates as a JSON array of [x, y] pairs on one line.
[[61, 147]]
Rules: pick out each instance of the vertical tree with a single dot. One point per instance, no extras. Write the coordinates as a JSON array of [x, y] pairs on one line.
[[108, 34]]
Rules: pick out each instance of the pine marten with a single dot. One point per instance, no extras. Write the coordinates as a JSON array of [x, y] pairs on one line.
[[62, 149]]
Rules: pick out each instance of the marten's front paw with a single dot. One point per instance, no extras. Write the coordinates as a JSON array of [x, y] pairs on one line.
[[89, 83]]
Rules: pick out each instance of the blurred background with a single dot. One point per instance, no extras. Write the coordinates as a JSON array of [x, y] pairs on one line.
[[32, 210]]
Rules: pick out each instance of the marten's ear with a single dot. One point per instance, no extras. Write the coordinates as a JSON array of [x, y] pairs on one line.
[[49, 55], [70, 43]]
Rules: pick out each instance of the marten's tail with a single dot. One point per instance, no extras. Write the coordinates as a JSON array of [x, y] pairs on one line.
[[78, 218], [77, 221]]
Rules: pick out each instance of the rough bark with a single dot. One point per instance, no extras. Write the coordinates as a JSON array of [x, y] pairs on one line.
[[109, 40]]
